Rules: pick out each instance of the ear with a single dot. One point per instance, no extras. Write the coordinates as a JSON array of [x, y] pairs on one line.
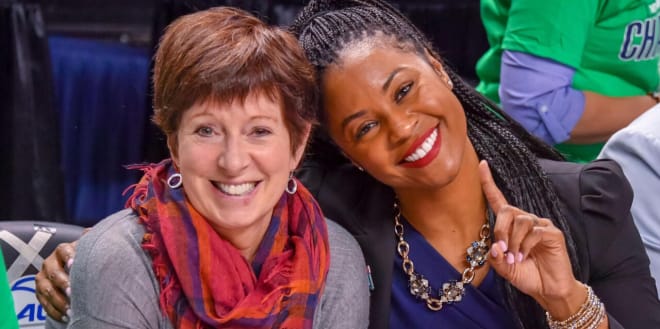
[[351, 159], [173, 146], [300, 150]]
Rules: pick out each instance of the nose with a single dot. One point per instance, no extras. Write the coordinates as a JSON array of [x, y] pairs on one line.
[[234, 157], [402, 127]]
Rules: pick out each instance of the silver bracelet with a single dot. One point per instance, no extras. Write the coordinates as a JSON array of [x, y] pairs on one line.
[[590, 315]]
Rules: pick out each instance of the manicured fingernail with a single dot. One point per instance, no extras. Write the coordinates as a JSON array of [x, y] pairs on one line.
[[519, 257], [493, 252], [69, 263], [503, 245], [509, 258], [69, 312], [65, 319], [68, 291]]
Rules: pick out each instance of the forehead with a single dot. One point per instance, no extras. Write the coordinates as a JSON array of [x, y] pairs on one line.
[[370, 64]]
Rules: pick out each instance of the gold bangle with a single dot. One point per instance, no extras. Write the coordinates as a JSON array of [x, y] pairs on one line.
[[590, 315]]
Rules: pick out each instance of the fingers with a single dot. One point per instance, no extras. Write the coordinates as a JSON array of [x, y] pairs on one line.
[[494, 196], [57, 265], [525, 232], [498, 260], [51, 299], [64, 253], [52, 282], [522, 228]]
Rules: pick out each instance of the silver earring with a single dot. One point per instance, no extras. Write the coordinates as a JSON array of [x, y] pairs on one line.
[[175, 181], [291, 185]]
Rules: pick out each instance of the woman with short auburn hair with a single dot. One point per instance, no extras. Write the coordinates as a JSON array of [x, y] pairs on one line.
[[221, 235]]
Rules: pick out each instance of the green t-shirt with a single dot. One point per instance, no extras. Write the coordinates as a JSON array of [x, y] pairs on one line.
[[613, 45], [7, 314]]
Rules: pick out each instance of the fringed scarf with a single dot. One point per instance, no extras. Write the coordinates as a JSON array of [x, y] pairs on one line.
[[206, 283]]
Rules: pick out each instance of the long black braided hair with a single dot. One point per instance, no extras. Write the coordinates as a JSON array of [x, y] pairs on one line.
[[326, 27]]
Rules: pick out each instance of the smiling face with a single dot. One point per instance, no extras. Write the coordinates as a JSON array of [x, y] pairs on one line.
[[235, 160], [393, 113]]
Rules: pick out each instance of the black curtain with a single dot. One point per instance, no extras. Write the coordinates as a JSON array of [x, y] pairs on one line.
[[31, 183]]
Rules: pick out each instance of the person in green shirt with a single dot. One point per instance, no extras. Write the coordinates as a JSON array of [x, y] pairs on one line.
[[572, 72], [7, 315]]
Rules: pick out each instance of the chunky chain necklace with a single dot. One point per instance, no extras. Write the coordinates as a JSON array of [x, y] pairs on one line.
[[452, 291]]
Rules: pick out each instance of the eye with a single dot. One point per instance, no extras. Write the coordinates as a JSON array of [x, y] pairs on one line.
[[365, 128], [403, 92], [261, 131], [204, 131]]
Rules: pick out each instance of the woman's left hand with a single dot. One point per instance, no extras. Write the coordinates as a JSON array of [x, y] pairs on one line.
[[530, 252]]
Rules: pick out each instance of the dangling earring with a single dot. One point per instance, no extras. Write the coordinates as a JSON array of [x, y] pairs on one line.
[[174, 181], [291, 185]]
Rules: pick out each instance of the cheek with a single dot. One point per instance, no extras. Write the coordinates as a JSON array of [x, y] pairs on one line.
[[372, 157], [194, 159], [274, 159]]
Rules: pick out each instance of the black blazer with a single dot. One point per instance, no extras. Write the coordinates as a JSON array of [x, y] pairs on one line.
[[595, 198]]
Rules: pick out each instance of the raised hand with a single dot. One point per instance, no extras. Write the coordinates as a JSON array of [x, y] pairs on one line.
[[530, 252]]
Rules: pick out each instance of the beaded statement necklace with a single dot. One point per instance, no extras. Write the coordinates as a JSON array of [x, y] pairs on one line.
[[452, 291]]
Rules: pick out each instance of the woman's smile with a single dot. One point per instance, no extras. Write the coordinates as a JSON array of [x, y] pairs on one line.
[[424, 150], [236, 189]]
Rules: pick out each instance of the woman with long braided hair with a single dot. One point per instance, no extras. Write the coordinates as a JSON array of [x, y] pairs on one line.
[[451, 182]]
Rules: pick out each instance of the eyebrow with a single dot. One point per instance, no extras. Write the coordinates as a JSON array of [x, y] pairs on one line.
[[391, 77], [352, 117], [263, 117], [358, 114]]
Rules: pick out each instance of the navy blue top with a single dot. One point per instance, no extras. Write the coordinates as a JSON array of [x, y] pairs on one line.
[[481, 307]]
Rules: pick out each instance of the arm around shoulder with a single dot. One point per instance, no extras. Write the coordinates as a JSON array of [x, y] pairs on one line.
[[111, 278], [345, 299]]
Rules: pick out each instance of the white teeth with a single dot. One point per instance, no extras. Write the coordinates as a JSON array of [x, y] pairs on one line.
[[238, 189], [423, 149]]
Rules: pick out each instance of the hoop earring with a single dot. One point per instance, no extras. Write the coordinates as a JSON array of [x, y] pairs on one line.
[[175, 181], [291, 185]]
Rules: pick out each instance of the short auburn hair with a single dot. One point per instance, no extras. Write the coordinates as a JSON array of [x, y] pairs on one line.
[[224, 54]]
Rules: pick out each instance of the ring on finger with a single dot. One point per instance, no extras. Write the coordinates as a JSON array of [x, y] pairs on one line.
[[535, 221]]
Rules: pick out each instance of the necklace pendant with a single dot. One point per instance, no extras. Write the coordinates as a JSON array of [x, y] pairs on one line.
[[477, 253], [419, 286], [452, 292]]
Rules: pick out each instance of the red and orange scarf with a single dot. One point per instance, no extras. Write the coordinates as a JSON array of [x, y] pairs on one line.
[[206, 283]]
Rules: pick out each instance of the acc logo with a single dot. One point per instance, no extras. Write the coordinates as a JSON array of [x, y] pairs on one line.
[[28, 310]]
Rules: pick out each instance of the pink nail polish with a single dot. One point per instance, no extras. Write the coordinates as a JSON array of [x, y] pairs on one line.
[[519, 257], [503, 245], [68, 291], [69, 263], [493, 252], [509, 258]]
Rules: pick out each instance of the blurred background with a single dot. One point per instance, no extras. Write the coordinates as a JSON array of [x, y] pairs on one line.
[[75, 100]]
